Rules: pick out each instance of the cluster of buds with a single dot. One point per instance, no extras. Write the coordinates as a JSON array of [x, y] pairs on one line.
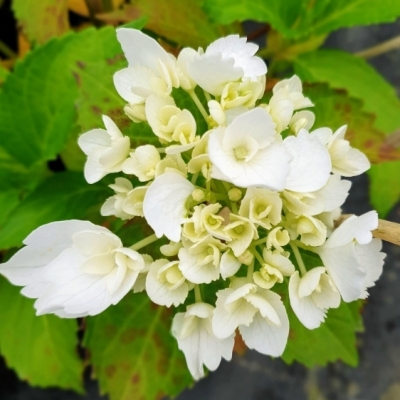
[[239, 204]]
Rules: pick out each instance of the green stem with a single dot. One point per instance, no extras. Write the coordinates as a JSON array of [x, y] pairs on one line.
[[194, 178], [197, 101], [259, 258], [197, 294], [299, 260], [250, 271], [260, 241], [144, 242], [207, 96]]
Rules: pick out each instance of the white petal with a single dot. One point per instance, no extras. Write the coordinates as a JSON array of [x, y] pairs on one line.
[[358, 228], [371, 258], [225, 322], [93, 140], [164, 205], [229, 264], [309, 281], [311, 164], [264, 336], [305, 309], [344, 270]]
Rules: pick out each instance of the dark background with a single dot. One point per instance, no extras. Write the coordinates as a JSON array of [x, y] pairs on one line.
[[257, 377]]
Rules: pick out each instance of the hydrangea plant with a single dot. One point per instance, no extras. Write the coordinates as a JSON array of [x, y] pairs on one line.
[[238, 197]]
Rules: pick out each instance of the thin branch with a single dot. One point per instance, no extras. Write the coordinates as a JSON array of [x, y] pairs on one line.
[[387, 230], [7, 51], [384, 47]]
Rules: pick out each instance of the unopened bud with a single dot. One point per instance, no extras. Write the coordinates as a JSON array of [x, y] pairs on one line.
[[235, 194], [246, 258], [171, 249], [198, 195]]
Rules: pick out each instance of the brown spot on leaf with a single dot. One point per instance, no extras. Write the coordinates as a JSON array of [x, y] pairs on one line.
[[110, 371], [135, 379], [77, 78], [96, 110], [128, 336], [81, 64]]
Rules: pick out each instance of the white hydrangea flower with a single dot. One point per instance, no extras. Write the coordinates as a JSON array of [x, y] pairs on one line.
[[165, 283], [311, 165], [185, 58], [346, 160], [351, 258], [312, 231], [262, 207], [328, 198], [151, 71], [114, 204], [142, 163], [276, 266], [277, 238], [292, 90], [106, 150], [247, 154], [133, 204], [73, 268], [228, 59], [241, 94], [229, 264], [258, 313], [241, 232], [140, 283], [164, 205], [312, 295], [200, 262], [302, 120], [195, 337], [171, 163]]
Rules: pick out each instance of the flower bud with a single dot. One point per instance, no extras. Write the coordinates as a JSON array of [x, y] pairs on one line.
[[198, 195], [235, 194]]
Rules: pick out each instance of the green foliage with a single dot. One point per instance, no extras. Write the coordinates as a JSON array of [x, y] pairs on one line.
[[62, 196], [133, 353], [384, 186], [334, 108], [300, 18], [42, 20], [343, 70], [3, 74], [334, 340], [26, 338]]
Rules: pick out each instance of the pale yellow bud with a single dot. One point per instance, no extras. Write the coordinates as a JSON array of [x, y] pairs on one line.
[[198, 195], [235, 194]]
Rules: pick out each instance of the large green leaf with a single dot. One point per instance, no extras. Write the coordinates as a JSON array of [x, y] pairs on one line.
[[334, 108], [37, 101], [3, 74], [42, 20], [133, 353], [300, 18], [343, 70], [334, 340], [384, 186], [42, 350], [62, 196]]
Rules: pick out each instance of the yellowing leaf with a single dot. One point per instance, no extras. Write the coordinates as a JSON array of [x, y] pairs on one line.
[[183, 22], [80, 6], [42, 20], [334, 108]]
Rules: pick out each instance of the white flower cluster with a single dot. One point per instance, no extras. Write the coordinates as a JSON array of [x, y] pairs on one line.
[[239, 203]]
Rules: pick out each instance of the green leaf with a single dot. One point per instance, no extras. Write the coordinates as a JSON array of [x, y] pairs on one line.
[[133, 353], [334, 108], [343, 70], [384, 186], [42, 20], [334, 340], [38, 115], [300, 18], [9, 199], [42, 350], [63, 196], [3, 74]]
